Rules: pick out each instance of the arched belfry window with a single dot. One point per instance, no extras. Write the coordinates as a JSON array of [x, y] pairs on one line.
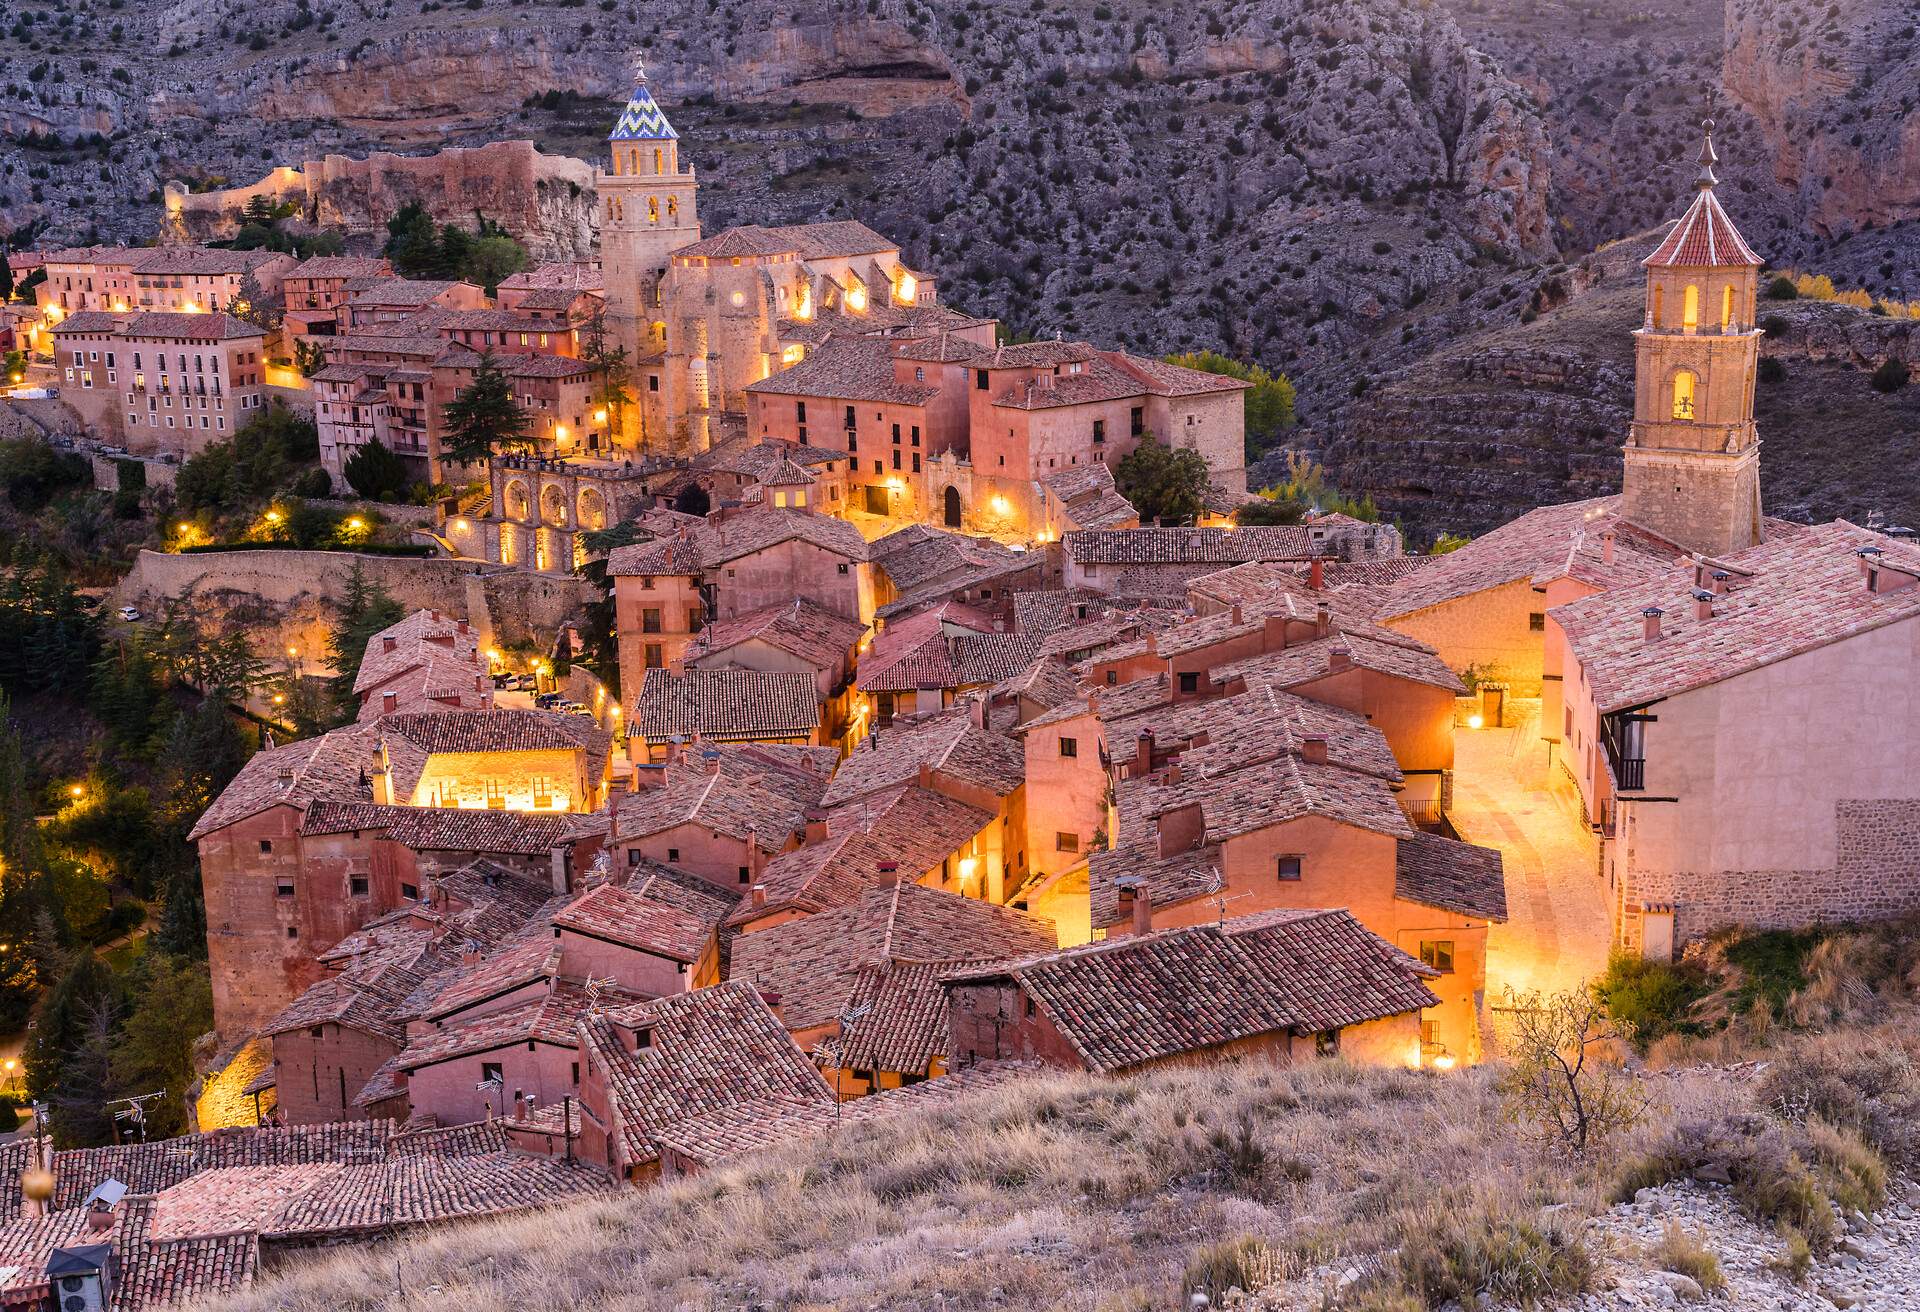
[[1726, 307], [1683, 383], [673, 207], [656, 160], [1659, 318], [1690, 314], [653, 209]]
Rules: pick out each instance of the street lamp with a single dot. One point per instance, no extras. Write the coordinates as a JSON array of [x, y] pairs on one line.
[[77, 791]]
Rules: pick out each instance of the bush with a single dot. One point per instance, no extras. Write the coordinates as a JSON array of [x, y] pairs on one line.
[[1771, 1179], [1772, 370], [1890, 377], [1246, 1263], [1648, 999], [1869, 1088], [1457, 1256], [1679, 1250], [1782, 289]]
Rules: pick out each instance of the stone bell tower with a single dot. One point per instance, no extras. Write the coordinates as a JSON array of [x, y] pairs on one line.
[[648, 210], [1693, 455]]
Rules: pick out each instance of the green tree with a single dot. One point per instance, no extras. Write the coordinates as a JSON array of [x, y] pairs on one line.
[[364, 611], [1447, 542], [1275, 510], [456, 248], [493, 258], [256, 305], [128, 695], [69, 1055], [6, 277], [183, 916], [1269, 401], [483, 419], [34, 473], [259, 210], [611, 372], [413, 242], [377, 473], [1164, 485], [201, 754], [309, 357], [172, 1007]]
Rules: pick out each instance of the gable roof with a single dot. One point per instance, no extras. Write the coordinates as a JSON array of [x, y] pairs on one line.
[[803, 629], [1182, 546], [1452, 875], [622, 915], [947, 742], [762, 789], [723, 704], [1132, 1001]]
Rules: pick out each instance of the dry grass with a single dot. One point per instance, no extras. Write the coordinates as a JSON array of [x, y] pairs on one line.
[[1680, 1250], [1062, 1193]]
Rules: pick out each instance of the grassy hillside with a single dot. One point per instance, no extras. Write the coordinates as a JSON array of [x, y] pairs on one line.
[[1321, 1186]]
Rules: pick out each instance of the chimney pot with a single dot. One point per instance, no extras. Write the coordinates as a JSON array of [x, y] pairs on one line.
[[389, 701], [1238, 619], [759, 895], [1314, 748], [462, 626], [1702, 604], [388, 642], [1606, 545], [1142, 910], [1323, 619], [924, 777], [1339, 658], [1652, 616], [1720, 582], [1316, 574]]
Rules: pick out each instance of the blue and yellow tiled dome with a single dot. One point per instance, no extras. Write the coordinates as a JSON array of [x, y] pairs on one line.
[[642, 119]]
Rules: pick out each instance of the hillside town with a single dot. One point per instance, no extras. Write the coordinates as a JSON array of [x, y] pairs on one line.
[[922, 760]]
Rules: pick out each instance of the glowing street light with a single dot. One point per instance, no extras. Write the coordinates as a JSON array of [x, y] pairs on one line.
[[293, 651], [77, 791], [600, 416]]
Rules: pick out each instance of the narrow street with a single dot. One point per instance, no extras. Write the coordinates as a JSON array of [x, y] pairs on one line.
[[1557, 933]]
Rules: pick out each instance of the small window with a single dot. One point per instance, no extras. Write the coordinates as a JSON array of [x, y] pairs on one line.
[[643, 1038], [1065, 842], [656, 656], [266, 845], [746, 874], [1437, 953], [1190, 682], [1537, 622], [357, 885], [633, 856], [842, 567], [283, 888], [1326, 1043], [490, 1072], [410, 892], [1032, 1010], [1287, 868], [673, 854], [293, 931], [576, 1072], [1069, 747]]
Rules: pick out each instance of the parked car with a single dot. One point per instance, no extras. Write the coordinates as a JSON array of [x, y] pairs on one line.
[[129, 614]]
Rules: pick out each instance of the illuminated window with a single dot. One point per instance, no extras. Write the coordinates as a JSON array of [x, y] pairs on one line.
[[1726, 307], [1683, 394], [653, 209], [1690, 314], [1437, 954]]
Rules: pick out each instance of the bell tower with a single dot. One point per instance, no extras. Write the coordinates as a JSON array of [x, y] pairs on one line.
[[1693, 455], [648, 210]]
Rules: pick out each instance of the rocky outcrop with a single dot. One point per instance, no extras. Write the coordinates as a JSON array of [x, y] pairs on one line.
[[1832, 86], [546, 201]]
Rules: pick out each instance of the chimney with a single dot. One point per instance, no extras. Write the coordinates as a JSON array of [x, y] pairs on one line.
[[1143, 753], [890, 868], [1173, 772], [1142, 911], [713, 763], [1238, 618], [1316, 574], [925, 776], [1606, 545], [1313, 748], [560, 868], [389, 702], [433, 614], [1153, 643], [1093, 701], [676, 750], [676, 667], [1323, 619], [462, 627], [1719, 583], [470, 953], [388, 642], [1652, 615], [1273, 633], [519, 1105], [818, 829], [759, 896], [1702, 604], [647, 775], [1339, 658], [1180, 829], [977, 711], [100, 1216]]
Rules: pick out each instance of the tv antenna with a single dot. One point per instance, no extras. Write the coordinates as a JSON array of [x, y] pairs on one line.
[[594, 987], [134, 1114], [1217, 890]]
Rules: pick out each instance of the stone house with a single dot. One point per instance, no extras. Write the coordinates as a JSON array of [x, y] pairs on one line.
[[427, 661], [1308, 983], [197, 279], [166, 383], [318, 286], [799, 638], [396, 300], [516, 760], [1662, 684], [924, 662]]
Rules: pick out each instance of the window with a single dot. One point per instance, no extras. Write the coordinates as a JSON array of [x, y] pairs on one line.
[[1326, 1043], [266, 845], [849, 419], [916, 462], [283, 888], [1726, 307], [1437, 953], [1683, 394], [357, 885], [1069, 747], [746, 874], [896, 434], [1690, 313], [656, 656], [896, 460], [576, 1072], [1065, 842], [633, 856], [643, 1038], [916, 435], [490, 1073], [979, 380], [1190, 682], [650, 620], [653, 382], [841, 567], [673, 854], [800, 411], [410, 892], [1099, 431], [1537, 622], [1113, 677], [1287, 868], [293, 931]]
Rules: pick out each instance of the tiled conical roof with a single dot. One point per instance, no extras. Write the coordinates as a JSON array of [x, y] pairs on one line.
[[1705, 237], [642, 119]]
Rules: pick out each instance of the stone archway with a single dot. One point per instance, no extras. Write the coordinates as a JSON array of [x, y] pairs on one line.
[[593, 509], [950, 507], [553, 505], [516, 499]]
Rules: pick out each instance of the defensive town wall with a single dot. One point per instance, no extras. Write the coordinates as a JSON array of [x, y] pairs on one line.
[[288, 590]]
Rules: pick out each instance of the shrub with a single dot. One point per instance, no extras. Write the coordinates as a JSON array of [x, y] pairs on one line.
[[1782, 289], [1771, 1180], [1796, 1259], [1247, 1263], [1890, 377], [9, 1116], [1558, 1083], [1457, 1255], [1679, 1250], [1648, 999], [1772, 370], [1857, 1084]]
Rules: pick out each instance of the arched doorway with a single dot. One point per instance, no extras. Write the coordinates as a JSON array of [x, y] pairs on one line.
[[693, 500], [952, 507]]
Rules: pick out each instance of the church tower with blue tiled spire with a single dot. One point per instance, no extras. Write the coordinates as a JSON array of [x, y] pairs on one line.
[[648, 210]]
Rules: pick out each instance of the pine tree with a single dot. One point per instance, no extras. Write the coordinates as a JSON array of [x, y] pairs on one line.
[[183, 916], [364, 611], [376, 472], [6, 277], [483, 419], [254, 304], [413, 242]]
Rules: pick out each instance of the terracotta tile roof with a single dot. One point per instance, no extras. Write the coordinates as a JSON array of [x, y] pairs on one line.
[[202, 261], [332, 767], [910, 829], [171, 326], [949, 646], [846, 368], [809, 632], [1107, 628], [913, 559], [1129, 1002], [500, 730], [1202, 546], [724, 704], [569, 275], [751, 460], [1103, 376], [763, 789], [1704, 238], [745, 239], [529, 957], [710, 1049], [904, 1025], [833, 239], [1164, 378], [1046, 681], [671, 555], [701, 899], [623, 916], [341, 266], [1786, 596], [445, 829], [341, 1003], [1256, 577], [149, 1272], [89, 321], [1310, 661], [470, 1140], [549, 1019], [946, 742], [809, 962], [420, 637], [1222, 733], [1455, 876], [944, 348], [713, 545], [403, 293], [1549, 543], [1090, 498]]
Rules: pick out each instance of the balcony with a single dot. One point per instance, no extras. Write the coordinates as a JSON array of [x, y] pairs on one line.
[[1630, 774]]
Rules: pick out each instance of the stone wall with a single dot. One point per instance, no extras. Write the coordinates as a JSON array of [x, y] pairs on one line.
[[295, 591]]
